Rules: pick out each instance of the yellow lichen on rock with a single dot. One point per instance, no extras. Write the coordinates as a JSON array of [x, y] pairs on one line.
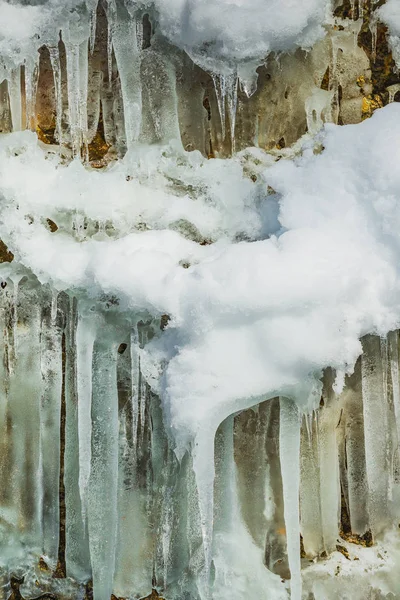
[[369, 105]]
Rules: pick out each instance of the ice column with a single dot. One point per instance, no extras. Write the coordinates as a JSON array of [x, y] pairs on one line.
[[103, 481], [203, 466], [374, 391], [85, 336], [128, 57], [136, 525], [289, 452], [25, 383], [31, 83], [51, 370], [77, 545], [15, 98], [77, 77], [310, 496], [226, 92], [355, 452], [56, 67], [275, 544], [329, 465]]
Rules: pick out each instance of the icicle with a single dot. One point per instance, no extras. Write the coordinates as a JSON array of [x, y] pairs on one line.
[[248, 77], [103, 482], [135, 383], [109, 53], [83, 94], [232, 96], [329, 464], [107, 110], [31, 84], [142, 406], [5, 441], [373, 27], [276, 558], [226, 91], [16, 281], [25, 383], [226, 513], [289, 452], [5, 113], [142, 387], [85, 336], [139, 34], [93, 27], [160, 97], [355, 453], [311, 526], [56, 67], [220, 91], [93, 104], [53, 313], [77, 73], [77, 544], [203, 466], [376, 429], [128, 57], [134, 560], [393, 342], [51, 370], [16, 99], [163, 466]]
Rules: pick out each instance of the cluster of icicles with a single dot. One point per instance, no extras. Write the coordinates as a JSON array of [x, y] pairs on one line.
[[89, 478], [101, 74], [112, 68]]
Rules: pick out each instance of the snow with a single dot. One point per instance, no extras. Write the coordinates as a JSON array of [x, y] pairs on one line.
[[219, 33], [240, 30], [268, 271], [389, 13], [275, 310], [24, 28]]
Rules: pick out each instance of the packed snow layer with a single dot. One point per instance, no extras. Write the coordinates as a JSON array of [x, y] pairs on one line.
[[228, 31], [253, 318]]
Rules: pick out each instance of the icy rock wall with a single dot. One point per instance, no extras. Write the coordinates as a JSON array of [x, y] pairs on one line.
[[82, 91], [289, 490], [100, 475]]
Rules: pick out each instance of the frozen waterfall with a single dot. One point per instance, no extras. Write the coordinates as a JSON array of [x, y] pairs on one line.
[[200, 299]]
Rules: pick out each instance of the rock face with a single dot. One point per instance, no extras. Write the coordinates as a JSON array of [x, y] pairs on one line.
[[288, 491]]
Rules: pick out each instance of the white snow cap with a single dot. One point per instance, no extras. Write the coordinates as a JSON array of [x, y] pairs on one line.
[[213, 31], [237, 30]]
